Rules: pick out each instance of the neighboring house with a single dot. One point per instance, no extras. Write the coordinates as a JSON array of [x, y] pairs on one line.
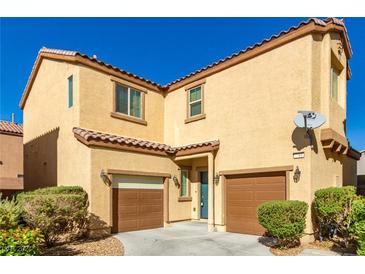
[[11, 157], [361, 174], [211, 145]]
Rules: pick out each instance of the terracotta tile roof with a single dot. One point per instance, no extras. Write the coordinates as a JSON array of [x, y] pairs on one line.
[[8, 127], [317, 21], [94, 59], [323, 24], [90, 137]]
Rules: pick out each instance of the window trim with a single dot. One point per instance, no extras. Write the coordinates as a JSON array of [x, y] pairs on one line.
[[337, 72], [202, 115], [187, 195], [119, 115], [70, 91]]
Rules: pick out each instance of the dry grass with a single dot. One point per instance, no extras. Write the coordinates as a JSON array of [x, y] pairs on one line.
[[109, 246]]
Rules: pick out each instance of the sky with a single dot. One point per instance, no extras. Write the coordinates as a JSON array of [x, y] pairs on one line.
[[159, 49]]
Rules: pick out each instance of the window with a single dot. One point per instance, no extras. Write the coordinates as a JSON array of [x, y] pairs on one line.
[[334, 83], [184, 189], [195, 101], [70, 91], [128, 101]]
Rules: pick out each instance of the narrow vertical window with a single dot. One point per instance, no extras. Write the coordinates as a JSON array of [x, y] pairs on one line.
[[184, 190], [334, 84], [70, 91]]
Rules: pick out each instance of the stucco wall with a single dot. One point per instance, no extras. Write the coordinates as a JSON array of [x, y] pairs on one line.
[[97, 93], [102, 159], [250, 108], [52, 156], [11, 156], [361, 164]]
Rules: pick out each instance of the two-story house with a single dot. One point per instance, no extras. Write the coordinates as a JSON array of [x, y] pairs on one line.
[[211, 145]]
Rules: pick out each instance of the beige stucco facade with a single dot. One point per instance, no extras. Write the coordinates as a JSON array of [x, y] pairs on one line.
[[11, 163], [249, 108]]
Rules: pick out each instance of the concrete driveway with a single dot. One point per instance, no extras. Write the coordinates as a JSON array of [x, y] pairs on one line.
[[190, 238]]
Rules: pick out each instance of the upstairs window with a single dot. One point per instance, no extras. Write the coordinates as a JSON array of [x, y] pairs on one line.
[[334, 83], [195, 101], [70, 91], [184, 189], [128, 101]]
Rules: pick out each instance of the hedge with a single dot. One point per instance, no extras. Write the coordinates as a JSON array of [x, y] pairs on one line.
[[332, 208], [284, 220], [56, 211]]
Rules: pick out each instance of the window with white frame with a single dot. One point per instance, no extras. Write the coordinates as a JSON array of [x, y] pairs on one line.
[[128, 101], [195, 100]]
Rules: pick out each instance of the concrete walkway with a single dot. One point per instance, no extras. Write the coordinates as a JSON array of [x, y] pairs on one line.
[[193, 239]]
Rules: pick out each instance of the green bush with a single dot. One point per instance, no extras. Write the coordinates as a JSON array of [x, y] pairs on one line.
[[284, 220], [357, 227], [10, 213], [358, 230], [332, 208], [58, 212], [20, 242]]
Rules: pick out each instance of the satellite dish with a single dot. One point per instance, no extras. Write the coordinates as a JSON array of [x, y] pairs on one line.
[[309, 119]]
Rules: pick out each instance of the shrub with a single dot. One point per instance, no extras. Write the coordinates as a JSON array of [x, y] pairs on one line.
[[284, 220], [357, 227], [332, 208], [56, 211], [358, 230], [10, 213], [20, 242]]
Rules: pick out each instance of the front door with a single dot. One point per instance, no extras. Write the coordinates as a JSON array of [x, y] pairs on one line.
[[204, 195]]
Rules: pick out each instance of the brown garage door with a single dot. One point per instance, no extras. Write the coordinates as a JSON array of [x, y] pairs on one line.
[[136, 209], [244, 193]]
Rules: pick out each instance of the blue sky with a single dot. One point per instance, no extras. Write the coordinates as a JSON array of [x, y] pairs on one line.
[[159, 49]]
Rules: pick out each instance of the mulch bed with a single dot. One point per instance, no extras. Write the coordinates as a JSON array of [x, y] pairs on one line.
[[108, 246], [294, 251], [333, 246], [324, 245]]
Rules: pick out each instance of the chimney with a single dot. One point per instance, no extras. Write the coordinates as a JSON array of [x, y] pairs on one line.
[[12, 118]]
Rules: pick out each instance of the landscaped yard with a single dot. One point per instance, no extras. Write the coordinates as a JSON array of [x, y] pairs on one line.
[[109, 246], [54, 222]]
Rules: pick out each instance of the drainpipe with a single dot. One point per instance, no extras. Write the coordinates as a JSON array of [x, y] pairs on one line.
[[211, 197]]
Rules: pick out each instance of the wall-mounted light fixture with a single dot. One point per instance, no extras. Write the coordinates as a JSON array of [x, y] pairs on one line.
[[296, 176], [176, 181], [216, 178], [340, 48], [104, 176]]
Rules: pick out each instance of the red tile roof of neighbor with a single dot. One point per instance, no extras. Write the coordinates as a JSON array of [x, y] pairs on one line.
[[11, 128], [88, 136], [306, 27]]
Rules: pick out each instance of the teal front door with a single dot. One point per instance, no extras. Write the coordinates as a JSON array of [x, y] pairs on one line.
[[204, 195]]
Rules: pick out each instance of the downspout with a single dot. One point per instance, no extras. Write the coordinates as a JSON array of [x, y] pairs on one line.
[[214, 228]]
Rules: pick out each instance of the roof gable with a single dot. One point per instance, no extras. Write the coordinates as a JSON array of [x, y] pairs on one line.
[[304, 28]]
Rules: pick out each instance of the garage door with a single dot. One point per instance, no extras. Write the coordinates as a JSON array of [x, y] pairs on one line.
[[137, 203], [244, 193]]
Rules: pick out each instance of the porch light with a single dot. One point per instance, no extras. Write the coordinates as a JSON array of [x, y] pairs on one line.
[[176, 181], [104, 176], [216, 178], [296, 176]]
